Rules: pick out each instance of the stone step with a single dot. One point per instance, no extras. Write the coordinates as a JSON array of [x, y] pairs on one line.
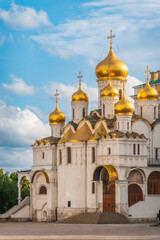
[[96, 218]]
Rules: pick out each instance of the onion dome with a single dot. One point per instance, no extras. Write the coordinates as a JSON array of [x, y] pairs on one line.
[[119, 69], [124, 106], [148, 92], [57, 117], [79, 96], [109, 91]]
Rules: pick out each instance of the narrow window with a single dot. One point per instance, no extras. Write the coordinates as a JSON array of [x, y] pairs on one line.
[[118, 125], [156, 153], [42, 155], [103, 109], [68, 155], [73, 113], [93, 155], [128, 125], [83, 112], [60, 157], [93, 187], [109, 151], [138, 149], [141, 111], [120, 94], [69, 203], [154, 112], [134, 149]]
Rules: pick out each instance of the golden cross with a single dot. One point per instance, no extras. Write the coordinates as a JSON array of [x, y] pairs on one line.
[[148, 71], [110, 37], [56, 95], [80, 76]]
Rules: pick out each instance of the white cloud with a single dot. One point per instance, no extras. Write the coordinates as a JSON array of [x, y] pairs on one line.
[[19, 128], [131, 82], [19, 87], [20, 17]]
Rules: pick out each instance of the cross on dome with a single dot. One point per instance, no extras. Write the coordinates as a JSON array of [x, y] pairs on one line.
[[56, 95], [110, 37], [148, 71], [80, 76]]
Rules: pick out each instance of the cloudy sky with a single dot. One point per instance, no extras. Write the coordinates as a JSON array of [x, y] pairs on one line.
[[43, 46]]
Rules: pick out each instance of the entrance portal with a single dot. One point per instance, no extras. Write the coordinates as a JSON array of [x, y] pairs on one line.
[[108, 192]]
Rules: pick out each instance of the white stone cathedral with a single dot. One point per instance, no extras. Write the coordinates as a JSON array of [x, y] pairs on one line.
[[104, 161]]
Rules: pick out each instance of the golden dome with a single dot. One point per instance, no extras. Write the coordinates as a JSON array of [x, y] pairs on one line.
[[148, 92], [118, 69], [109, 91], [79, 96], [57, 116], [124, 106]]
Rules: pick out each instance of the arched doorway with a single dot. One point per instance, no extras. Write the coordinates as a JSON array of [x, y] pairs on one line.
[[135, 194], [107, 174], [154, 183]]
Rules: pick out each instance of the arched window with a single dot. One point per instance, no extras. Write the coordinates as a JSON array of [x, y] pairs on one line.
[[103, 109], [83, 112], [68, 155], [93, 187], [43, 190], [154, 183], [135, 194], [120, 94]]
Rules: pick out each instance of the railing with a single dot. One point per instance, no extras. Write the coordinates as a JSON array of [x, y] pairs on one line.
[[153, 161]]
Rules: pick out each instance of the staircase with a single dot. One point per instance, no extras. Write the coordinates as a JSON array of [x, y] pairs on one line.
[[96, 218], [15, 209]]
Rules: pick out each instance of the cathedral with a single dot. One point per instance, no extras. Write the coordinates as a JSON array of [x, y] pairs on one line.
[[107, 160]]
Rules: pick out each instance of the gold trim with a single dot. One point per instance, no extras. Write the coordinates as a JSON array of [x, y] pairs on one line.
[[112, 172]]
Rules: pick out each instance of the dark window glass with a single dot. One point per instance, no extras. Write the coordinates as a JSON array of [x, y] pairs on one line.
[[42, 155], [69, 203], [156, 153], [83, 112], [93, 187], [120, 94], [155, 112], [68, 155], [141, 111], [43, 190], [103, 109], [134, 149], [93, 155], [73, 113], [60, 157], [138, 149], [109, 151]]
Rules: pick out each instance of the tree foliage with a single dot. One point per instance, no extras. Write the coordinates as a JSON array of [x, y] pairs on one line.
[[9, 190]]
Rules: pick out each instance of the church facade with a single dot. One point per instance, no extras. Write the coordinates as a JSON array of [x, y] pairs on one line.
[[104, 161]]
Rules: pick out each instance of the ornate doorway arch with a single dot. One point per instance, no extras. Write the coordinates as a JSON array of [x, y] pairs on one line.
[[107, 174]]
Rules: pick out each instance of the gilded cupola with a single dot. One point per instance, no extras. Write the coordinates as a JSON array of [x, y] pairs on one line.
[[124, 106], [57, 117], [109, 90], [118, 69], [148, 92], [79, 96]]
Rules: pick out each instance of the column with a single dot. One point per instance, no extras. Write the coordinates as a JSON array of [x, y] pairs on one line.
[[19, 193], [121, 198]]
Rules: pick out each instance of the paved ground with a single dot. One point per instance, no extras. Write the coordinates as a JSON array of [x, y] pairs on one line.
[[49, 231]]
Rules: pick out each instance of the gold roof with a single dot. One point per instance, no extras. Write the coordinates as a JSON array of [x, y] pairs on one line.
[[99, 133], [109, 91], [79, 96], [148, 92], [118, 69], [81, 134], [57, 116], [66, 136], [124, 106]]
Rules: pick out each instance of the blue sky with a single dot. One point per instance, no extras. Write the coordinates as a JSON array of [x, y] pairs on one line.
[[43, 46]]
